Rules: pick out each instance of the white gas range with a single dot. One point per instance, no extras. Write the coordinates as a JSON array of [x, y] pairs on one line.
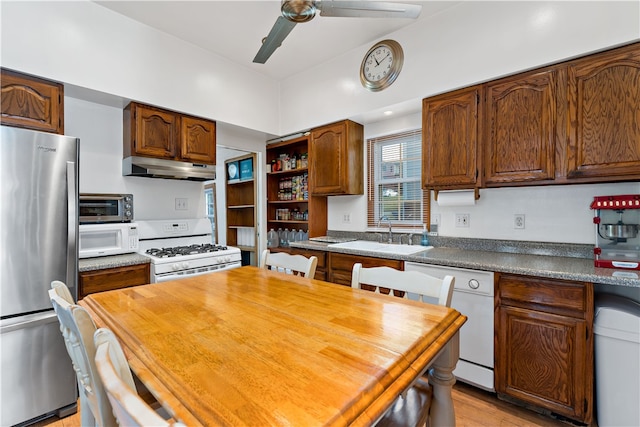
[[182, 248]]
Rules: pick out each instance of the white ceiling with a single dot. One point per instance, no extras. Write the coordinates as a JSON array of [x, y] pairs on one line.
[[234, 30]]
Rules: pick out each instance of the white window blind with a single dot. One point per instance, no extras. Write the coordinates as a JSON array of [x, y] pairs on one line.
[[394, 180]]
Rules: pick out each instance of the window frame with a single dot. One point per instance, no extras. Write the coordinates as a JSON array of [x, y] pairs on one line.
[[373, 182]]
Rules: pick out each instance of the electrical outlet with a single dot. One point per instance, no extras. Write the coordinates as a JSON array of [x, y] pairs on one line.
[[346, 218], [462, 220], [518, 221], [182, 204]]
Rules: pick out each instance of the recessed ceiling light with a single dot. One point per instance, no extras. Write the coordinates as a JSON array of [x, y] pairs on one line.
[[388, 113]]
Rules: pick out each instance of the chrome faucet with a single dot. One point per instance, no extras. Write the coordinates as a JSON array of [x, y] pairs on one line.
[[384, 218]]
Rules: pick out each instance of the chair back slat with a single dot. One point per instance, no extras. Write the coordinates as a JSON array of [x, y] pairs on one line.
[[290, 264], [114, 371], [426, 288], [77, 329]]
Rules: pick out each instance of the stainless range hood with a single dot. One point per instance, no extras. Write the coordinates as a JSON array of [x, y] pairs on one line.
[[170, 169]]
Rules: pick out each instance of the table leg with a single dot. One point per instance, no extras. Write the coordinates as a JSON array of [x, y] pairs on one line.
[[442, 380]]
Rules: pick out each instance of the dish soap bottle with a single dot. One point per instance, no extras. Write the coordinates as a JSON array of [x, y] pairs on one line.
[[425, 236]]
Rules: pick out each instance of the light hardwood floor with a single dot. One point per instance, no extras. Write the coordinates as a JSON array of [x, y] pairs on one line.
[[474, 408]]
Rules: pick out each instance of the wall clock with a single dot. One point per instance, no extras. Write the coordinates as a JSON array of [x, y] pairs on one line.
[[381, 65]]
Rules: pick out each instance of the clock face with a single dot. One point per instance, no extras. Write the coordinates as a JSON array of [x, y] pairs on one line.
[[378, 63], [381, 65]]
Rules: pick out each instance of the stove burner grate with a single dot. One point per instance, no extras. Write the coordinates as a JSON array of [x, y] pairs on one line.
[[185, 250]]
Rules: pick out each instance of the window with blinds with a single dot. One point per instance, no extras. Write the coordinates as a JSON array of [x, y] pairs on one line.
[[394, 180]]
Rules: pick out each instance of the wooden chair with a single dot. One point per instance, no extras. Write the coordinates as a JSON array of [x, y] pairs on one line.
[[291, 264], [412, 408], [77, 329], [114, 371]]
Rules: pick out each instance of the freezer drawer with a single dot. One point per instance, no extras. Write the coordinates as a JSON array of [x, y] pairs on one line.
[[37, 374]]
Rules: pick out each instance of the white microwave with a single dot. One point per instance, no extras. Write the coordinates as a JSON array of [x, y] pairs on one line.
[[107, 239]]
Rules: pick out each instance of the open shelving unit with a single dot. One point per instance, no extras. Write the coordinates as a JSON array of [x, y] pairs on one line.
[[241, 208], [301, 201]]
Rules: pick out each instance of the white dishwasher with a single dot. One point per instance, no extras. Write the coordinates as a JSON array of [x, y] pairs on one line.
[[473, 297]]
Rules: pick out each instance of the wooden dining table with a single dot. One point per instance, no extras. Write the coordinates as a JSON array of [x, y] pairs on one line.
[[250, 346]]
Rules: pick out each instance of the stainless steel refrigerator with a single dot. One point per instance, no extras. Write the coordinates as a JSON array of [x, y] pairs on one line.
[[39, 229]]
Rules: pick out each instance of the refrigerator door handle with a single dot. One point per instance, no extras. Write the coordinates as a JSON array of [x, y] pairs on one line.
[[31, 321], [72, 225]]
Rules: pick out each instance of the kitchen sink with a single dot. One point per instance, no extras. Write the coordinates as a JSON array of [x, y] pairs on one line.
[[366, 245]]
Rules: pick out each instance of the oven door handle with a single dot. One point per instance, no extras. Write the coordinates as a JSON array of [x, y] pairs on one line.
[[175, 276]]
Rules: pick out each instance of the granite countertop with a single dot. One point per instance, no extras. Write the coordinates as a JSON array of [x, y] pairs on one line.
[[113, 261], [554, 266]]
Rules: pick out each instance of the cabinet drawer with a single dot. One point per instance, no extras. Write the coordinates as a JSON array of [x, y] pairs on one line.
[[345, 262], [322, 256], [112, 278], [554, 294]]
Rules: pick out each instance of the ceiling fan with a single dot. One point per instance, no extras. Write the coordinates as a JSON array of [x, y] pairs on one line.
[[295, 11]]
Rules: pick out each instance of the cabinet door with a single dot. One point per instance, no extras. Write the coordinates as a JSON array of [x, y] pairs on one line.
[[321, 272], [112, 278], [521, 128], [450, 129], [603, 121], [198, 140], [32, 103], [336, 159], [540, 360], [341, 267], [156, 132]]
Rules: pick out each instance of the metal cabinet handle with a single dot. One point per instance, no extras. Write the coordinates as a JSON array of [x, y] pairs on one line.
[[474, 284]]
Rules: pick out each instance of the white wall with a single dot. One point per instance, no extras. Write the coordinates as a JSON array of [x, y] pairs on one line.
[[99, 128], [84, 44], [471, 42], [87, 45], [91, 47], [552, 213]]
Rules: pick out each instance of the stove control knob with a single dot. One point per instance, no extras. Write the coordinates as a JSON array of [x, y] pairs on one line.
[[175, 267], [185, 265]]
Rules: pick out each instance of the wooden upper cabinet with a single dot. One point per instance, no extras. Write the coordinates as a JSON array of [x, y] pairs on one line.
[[336, 157], [154, 131], [31, 102], [450, 128], [159, 133], [198, 140], [521, 127], [603, 119]]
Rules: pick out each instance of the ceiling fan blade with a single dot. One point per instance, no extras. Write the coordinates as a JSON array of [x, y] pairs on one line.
[[368, 9], [278, 33]]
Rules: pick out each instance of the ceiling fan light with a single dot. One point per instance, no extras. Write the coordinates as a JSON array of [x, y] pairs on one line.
[[298, 10]]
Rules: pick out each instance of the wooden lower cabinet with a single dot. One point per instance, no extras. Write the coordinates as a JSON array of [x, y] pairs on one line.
[[321, 268], [341, 266], [112, 278], [544, 344]]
